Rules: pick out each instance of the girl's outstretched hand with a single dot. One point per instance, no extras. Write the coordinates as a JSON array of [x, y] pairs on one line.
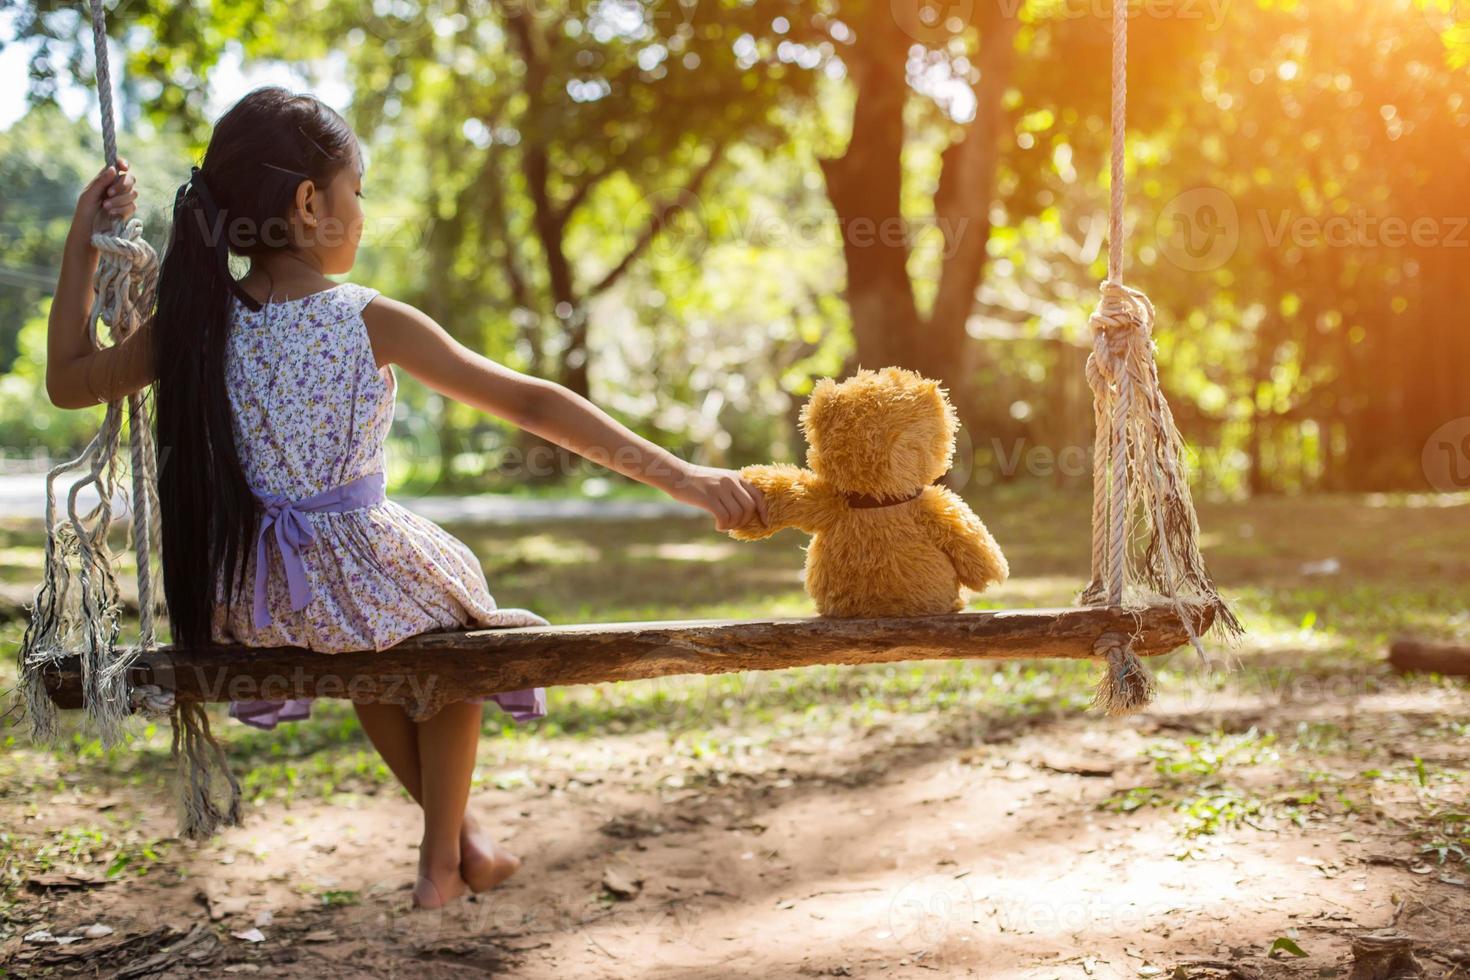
[[733, 500], [110, 197]]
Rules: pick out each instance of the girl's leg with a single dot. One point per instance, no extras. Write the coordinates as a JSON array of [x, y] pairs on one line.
[[447, 746], [396, 738], [483, 864]]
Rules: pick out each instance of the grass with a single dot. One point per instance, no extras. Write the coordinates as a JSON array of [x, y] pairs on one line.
[[1314, 638], [1224, 782]]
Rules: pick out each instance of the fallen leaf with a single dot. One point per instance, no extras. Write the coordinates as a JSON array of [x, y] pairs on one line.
[[250, 935], [1284, 944], [621, 883]]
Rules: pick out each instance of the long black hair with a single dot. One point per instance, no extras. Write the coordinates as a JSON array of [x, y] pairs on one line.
[[237, 201]]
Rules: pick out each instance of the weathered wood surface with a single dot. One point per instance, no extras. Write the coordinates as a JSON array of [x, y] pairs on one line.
[[1429, 658], [429, 670]]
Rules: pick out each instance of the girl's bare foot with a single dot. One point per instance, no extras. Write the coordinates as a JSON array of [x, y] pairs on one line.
[[437, 886], [483, 864]]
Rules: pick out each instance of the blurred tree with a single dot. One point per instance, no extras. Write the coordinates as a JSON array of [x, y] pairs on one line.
[[1325, 170], [1297, 201], [30, 427], [1300, 211], [976, 80], [549, 107], [558, 108], [554, 104], [44, 158]]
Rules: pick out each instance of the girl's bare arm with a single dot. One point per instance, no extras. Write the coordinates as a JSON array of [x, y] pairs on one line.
[[405, 336], [78, 374]]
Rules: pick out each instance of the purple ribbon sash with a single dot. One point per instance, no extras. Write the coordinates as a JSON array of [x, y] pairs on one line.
[[293, 534]]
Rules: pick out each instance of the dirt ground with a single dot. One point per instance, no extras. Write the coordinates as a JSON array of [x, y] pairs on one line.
[[1296, 806], [986, 854]]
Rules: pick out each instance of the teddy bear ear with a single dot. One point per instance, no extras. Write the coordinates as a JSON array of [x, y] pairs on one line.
[[822, 393], [936, 390]]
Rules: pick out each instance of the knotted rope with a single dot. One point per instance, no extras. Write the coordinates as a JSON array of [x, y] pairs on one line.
[[1138, 455], [85, 620]]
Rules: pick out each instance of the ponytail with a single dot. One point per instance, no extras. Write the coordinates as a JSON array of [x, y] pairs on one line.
[[205, 505]]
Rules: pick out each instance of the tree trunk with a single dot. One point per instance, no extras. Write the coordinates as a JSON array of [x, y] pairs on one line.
[[546, 461], [962, 206], [865, 185], [443, 241], [566, 303]]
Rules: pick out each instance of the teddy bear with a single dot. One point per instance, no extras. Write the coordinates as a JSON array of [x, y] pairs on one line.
[[887, 540]]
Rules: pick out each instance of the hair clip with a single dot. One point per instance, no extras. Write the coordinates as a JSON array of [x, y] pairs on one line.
[[287, 170], [302, 129]]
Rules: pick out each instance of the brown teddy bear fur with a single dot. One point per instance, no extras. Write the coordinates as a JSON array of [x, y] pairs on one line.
[[885, 434]]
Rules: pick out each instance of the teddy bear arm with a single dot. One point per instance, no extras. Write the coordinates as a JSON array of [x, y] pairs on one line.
[[793, 498], [963, 537]]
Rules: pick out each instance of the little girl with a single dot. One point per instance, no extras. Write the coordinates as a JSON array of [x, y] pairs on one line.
[[273, 397]]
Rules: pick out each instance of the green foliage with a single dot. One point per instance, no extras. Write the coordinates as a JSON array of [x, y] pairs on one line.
[[337, 898], [79, 847], [29, 423], [1193, 778], [518, 154], [44, 159], [1285, 944]]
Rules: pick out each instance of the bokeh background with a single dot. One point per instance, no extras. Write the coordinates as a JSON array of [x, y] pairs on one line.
[[649, 202]]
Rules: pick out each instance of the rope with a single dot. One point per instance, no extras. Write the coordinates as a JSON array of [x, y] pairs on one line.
[[86, 621], [1138, 453], [1119, 133], [127, 276], [120, 300], [104, 82], [1106, 583], [1128, 686]]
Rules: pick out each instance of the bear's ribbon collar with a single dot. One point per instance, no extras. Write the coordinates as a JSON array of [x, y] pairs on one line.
[[861, 501]]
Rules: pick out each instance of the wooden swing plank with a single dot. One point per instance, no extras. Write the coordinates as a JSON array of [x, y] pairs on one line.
[[426, 671]]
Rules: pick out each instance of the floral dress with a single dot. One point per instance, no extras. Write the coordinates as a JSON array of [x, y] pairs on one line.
[[311, 413]]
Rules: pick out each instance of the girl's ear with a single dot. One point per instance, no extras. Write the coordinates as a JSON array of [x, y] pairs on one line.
[[306, 202]]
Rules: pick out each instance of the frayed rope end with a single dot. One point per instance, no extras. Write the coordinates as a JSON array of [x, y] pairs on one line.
[[201, 761], [1126, 687]]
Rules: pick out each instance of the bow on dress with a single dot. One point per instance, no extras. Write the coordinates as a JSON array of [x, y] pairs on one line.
[[293, 534]]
